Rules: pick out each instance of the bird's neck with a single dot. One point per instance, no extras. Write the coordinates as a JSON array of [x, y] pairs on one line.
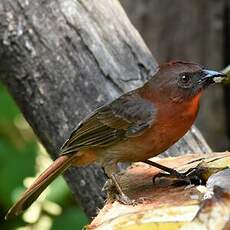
[[194, 103], [187, 108], [172, 107]]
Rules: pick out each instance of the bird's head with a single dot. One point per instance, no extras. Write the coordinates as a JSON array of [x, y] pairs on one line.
[[181, 81]]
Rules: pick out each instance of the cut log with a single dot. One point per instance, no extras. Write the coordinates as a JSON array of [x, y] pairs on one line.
[[168, 204]]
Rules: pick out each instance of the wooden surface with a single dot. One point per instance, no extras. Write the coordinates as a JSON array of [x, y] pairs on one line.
[[167, 205], [62, 59]]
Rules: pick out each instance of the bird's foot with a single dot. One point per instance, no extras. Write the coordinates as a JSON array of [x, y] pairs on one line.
[[122, 198], [192, 176], [174, 177], [114, 191]]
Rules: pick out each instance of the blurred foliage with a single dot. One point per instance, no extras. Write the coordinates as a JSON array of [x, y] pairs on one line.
[[22, 157]]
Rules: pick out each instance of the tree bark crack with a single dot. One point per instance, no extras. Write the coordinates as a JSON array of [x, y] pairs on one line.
[[91, 53]]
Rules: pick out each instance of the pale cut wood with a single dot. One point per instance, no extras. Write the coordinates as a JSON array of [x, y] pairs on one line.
[[168, 203]]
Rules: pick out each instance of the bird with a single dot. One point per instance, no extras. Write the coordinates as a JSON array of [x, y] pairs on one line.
[[136, 126]]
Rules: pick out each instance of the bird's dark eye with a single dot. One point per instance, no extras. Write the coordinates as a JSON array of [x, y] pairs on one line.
[[185, 81], [185, 78]]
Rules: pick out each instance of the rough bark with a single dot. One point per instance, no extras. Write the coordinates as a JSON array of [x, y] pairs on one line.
[[62, 59]]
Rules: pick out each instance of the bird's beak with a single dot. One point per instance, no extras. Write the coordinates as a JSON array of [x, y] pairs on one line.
[[211, 76]]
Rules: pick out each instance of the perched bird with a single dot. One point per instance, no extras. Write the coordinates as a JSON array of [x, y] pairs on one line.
[[135, 127]]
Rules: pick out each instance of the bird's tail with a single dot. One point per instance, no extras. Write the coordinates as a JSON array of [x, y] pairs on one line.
[[40, 183]]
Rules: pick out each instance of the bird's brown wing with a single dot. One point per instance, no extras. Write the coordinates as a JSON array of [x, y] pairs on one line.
[[127, 116]]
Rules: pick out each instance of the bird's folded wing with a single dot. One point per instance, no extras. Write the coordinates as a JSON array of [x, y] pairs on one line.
[[127, 116]]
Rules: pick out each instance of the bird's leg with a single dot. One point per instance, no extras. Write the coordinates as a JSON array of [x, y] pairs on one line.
[[111, 170], [121, 197], [164, 168], [187, 177]]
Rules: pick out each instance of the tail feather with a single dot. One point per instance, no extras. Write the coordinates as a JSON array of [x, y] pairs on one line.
[[40, 184]]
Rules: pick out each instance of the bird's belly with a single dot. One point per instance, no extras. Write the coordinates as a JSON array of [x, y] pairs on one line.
[[134, 150]]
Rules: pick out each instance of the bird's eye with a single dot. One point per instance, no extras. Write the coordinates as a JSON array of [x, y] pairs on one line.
[[185, 78], [185, 81]]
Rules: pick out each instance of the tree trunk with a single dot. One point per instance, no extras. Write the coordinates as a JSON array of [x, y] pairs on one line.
[[62, 59]]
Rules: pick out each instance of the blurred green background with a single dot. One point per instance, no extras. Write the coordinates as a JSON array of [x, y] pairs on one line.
[[21, 159]]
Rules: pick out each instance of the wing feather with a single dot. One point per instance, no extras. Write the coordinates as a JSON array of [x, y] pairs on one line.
[[127, 116]]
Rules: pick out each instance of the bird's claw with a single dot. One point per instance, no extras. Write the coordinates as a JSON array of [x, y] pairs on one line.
[[125, 200], [110, 187], [188, 178]]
